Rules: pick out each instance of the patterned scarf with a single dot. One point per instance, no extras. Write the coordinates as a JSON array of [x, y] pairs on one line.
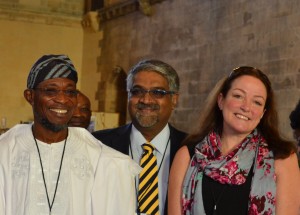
[[232, 169]]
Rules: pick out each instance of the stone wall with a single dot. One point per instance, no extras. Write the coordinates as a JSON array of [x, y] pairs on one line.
[[204, 40], [71, 8]]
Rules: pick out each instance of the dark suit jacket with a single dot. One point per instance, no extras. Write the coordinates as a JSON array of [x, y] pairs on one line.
[[119, 139]]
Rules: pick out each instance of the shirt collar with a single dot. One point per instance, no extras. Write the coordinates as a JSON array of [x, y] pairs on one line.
[[159, 141]]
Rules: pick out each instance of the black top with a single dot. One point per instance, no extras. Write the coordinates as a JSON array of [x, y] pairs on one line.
[[229, 199]]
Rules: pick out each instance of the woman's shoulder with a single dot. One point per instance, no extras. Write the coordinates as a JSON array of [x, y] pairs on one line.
[[182, 158], [287, 183], [287, 165], [183, 152]]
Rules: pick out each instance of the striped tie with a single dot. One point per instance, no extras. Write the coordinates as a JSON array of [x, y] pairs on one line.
[[148, 182]]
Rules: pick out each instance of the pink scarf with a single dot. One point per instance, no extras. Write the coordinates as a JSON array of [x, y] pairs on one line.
[[232, 169]]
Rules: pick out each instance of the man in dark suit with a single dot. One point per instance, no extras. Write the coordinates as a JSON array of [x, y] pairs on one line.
[[152, 87]]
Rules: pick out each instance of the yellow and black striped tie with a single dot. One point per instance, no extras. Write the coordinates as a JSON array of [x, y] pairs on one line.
[[148, 182]]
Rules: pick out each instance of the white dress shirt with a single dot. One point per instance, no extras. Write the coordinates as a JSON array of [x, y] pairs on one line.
[[162, 153]]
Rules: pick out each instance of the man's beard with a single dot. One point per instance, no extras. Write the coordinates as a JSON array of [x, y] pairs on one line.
[[48, 125], [146, 121]]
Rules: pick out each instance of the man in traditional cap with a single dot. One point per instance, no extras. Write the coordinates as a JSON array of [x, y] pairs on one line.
[[82, 113], [48, 168]]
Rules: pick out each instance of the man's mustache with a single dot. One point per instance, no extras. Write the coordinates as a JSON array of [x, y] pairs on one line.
[[142, 106]]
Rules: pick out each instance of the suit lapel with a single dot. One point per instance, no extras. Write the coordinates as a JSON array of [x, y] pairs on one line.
[[122, 139]]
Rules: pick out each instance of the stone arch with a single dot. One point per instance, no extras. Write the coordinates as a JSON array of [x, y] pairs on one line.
[[113, 94]]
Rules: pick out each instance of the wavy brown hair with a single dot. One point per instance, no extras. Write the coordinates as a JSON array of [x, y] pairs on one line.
[[211, 117]]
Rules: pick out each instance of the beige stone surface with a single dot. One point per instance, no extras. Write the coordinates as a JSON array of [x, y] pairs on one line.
[[202, 40], [102, 120]]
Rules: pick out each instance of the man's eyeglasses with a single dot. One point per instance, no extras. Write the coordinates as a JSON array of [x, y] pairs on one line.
[[155, 93], [52, 92]]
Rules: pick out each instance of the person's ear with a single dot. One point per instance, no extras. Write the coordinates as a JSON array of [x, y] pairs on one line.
[[220, 101], [28, 95], [174, 100]]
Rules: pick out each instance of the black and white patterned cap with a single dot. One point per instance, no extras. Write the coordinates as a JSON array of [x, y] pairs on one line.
[[51, 66]]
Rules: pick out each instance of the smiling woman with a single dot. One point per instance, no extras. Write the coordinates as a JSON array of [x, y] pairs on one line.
[[236, 162], [242, 109]]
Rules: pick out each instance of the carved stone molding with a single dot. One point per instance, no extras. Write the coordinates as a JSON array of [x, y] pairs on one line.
[[145, 7], [126, 7], [121, 9], [49, 19], [90, 21]]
